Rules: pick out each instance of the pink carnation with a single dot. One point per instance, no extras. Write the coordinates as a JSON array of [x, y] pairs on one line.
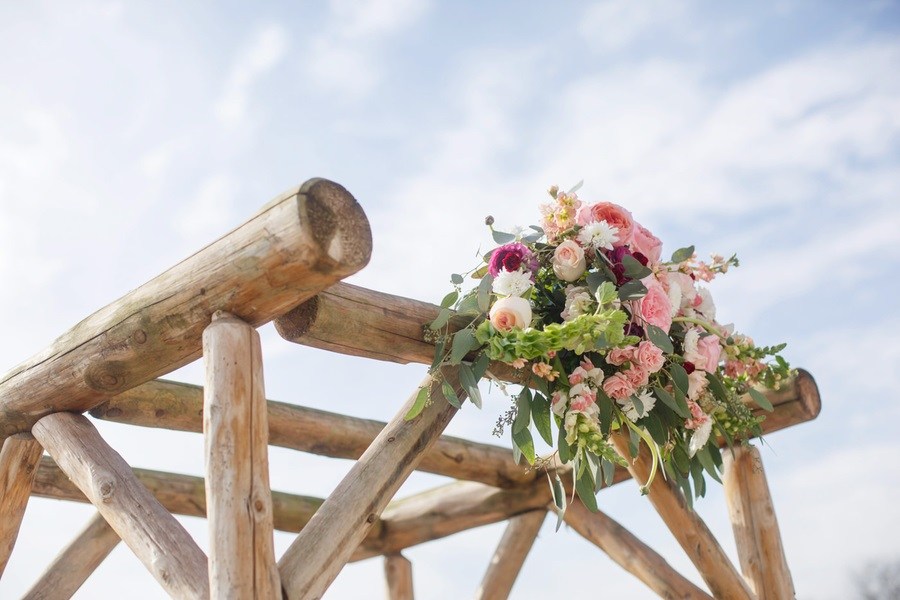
[[637, 376], [649, 356], [620, 356], [646, 243], [583, 401], [613, 214], [698, 417], [618, 387], [655, 308]]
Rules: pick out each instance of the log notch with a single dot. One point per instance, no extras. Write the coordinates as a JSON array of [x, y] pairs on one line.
[[238, 500], [508, 558], [19, 458], [326, 543], [631, 554], [71, 568], [298, 244], [156, 538], [686, 525], [398, 573], [755, 527]]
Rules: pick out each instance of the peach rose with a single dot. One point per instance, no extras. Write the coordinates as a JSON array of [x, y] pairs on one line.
[[620, 356], [568, 261], [637, 376], [613, 214], [655, 307], [649, 356], [617, 386], [710, 350], [510, 312], [646, 243]]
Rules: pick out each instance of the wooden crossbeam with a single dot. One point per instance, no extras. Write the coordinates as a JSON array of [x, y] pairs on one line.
[[238, 498], [71, 568], [327, 542], [508, 558], [631, 554], [19, 458], [756, 532], [155, 537], [688, 528], [398, 574], [298, 244]]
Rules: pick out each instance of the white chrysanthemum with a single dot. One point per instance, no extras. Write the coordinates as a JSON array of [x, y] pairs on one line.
[[647, 400], [598, 235], [691, 338], [700, 437], [511, 284]]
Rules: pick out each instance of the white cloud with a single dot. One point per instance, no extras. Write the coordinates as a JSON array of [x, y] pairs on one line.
[[612, 25], [262, 54], [211, 212]]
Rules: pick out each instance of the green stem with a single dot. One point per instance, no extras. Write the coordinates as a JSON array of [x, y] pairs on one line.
[[654, 452], [704, 324]]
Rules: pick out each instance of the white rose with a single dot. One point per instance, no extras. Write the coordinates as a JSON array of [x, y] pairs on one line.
[[568, 261], [510, 312]]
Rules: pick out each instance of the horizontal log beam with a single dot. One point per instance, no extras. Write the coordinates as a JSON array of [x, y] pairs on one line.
[[300, 243]]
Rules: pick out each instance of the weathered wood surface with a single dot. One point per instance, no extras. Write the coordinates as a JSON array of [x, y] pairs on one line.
[[398, 574], [631, 554], [449, 509], [179, 494], [756, 532], [71, 568], [19, 458], [688, 528], [300, 243], [510, 555], [323, 547], [238, 499], [155, 537]]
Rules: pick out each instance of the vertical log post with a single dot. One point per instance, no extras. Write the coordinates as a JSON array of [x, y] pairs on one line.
[[327, 542], [71, 568], [238, 499], [19, 459], [155, 537], [398, 573], [755, 527], [510, 555]]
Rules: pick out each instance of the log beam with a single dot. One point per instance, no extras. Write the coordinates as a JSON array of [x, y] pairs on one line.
[[756, 532], [686, 525], [156, 538], [631, 554], [238, 499], [398, 574], [71, 568], [323, 547], [19, 458], [510, 555], [300, 243]]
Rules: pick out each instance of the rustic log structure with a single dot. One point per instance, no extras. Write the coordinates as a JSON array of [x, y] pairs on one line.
[[285, 264]]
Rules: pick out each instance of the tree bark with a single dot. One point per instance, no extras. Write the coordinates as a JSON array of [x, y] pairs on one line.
[[19, 458], [510, 555]]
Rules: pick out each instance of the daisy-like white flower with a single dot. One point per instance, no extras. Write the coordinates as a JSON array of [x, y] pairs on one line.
[[513, 283], [598, 235], [700, 437], [647, 401]]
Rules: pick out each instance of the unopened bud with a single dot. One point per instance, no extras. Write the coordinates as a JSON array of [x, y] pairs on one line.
[[489, 220]]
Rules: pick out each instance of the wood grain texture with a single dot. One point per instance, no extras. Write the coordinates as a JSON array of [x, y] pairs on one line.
[[71, 568], [756, 531], [323, 547], [238, 499], [398, 574], [155, 537], [510, 555], [688, 528], [19, 458], [300, 243], [632, 554]]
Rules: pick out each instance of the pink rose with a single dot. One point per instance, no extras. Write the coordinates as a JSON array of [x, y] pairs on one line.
[[654, 308], [649, 356], [510, 312], [698, 417], [637, 376], [620, 356], [617, 386], [613, 214], [646, 243], [710, 350], [568, 261]]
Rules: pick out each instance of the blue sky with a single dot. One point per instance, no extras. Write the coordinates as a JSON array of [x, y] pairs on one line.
[[132, 134]]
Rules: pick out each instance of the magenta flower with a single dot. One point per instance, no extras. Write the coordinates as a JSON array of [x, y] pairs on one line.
[[511, 257]]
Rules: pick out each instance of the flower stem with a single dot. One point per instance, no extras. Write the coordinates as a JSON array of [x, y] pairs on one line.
[[704, 324]]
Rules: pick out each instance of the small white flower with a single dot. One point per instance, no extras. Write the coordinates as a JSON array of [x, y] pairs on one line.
[[578, 302], [598, 235], [700, 437], [707, 307], [511, 284], [647, 401]]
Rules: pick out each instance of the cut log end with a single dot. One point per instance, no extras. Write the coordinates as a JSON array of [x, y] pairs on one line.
[[296, 323], [808, 393], [337, 224]]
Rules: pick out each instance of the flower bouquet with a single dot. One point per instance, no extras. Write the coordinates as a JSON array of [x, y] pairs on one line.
[[610, 340]]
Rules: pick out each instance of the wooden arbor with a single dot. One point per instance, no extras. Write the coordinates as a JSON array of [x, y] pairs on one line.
[[285, 264]]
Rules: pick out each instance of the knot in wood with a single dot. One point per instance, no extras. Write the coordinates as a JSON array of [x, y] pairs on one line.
[[258, 505], [106, 376], [371, 518], [391, 439], [139, 336], [105, 487]]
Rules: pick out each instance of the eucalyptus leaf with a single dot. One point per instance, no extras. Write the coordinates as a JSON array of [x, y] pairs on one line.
[[562, 446], [450, 395], [717, 387], [633, 268], [761, 400], [659, 338], [469, 306], [484, 293], [418, 405], [706, 459], [679, 377], [479, 367], [470, 384], [594, 279], [463, 342], [502, 237], [456, 279], [585, 488], [441, 319], [540, 414], [559, 499], [525, 443], [523, 410], [669, 401], [438, 355], [609, 472], [632, 290], [682, 254], [450, 299], [656, 429], [606, 412]]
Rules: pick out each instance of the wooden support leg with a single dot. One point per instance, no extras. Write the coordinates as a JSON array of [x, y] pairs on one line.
[[510, 555], [156, 538], [238, 499], [755, 527], [19, 458], [631, 554], [398, 572], [688, 528], [326, 543], [76, 562]]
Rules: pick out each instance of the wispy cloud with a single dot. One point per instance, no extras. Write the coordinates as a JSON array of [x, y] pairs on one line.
[[262, 54]]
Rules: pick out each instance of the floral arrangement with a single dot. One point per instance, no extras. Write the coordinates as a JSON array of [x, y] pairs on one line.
[[611, 340]]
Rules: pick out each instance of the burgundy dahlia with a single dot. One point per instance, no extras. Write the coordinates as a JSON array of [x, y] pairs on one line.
[[511, 257]]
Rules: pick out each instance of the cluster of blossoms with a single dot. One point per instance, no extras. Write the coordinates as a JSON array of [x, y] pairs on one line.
[[616, 341]]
